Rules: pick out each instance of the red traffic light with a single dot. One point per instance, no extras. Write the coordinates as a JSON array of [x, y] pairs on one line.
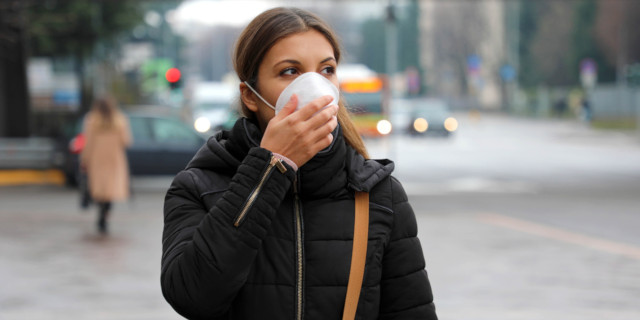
[[172, 75]]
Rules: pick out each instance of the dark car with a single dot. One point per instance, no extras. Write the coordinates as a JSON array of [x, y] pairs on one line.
[[162, 145], [422, 116]]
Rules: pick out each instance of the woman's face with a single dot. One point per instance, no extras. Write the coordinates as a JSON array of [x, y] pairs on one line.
[[290, 57]]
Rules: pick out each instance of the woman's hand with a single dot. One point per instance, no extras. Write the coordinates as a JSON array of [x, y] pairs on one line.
[[300, 135]]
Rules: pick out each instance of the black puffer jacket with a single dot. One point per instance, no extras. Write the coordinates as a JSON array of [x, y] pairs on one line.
[[246, 237]]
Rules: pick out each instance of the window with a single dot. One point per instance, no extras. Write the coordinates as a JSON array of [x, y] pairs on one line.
[[140, 130], [169, 131]]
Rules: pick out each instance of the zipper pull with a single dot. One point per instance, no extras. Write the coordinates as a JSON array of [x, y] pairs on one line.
[[278, 164]]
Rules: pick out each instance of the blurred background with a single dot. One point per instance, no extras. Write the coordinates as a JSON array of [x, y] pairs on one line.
[[514, 126]]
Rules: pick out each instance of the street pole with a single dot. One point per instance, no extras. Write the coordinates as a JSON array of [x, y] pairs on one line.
[[392, 48], [515, 55], [637, 103], [15, 105], [391, 64]]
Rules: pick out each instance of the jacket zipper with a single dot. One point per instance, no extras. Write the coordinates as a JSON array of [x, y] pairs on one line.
[[275, 162], [299, 275]]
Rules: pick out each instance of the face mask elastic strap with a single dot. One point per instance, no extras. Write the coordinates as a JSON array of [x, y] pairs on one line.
[[259, 96]]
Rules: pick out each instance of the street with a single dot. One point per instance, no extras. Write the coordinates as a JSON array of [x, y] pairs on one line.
[[526, 219], [518, 219]]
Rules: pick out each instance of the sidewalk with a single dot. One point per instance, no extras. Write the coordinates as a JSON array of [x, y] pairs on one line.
[[57, 266]]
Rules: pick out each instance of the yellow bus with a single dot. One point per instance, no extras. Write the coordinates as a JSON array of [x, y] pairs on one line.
[[363, 91]]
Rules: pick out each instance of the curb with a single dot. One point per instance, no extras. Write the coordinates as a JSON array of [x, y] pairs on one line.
[[31, 177]]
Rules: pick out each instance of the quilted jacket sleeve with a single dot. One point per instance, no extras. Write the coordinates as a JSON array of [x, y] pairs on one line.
[[206, 258], [406, 291]]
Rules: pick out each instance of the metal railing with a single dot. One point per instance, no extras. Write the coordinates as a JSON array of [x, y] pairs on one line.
[[28, 153]]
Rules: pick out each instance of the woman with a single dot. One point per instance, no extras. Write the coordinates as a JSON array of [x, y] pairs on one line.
[[104, 157], [260, 224]]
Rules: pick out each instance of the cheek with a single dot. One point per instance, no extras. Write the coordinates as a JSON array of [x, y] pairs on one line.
[[335, 82], [275, 94], [272, 91], [264, 115]]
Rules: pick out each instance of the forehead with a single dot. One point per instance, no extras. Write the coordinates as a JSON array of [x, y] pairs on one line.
[[309, 44]]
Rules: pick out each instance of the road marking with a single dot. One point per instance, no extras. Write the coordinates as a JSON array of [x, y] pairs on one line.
[[561, 235]]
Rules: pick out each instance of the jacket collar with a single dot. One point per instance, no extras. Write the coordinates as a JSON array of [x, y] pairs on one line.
[[328, 174]]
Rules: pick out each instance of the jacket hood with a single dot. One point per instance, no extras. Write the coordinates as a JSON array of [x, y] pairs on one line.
[[328, 174]]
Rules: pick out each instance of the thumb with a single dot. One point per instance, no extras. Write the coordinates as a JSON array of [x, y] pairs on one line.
[[290, 107]]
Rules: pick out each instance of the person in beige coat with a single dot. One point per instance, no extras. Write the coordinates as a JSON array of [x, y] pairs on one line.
[[104, 157]]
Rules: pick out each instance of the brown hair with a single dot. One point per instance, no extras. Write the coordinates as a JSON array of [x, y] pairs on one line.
[[106, 111], [268, 28]]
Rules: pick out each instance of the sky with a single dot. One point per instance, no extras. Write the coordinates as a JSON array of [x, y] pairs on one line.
[[232, 13], [193, 14]]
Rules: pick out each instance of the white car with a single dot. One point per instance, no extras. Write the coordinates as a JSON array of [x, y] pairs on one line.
[[212, 103]]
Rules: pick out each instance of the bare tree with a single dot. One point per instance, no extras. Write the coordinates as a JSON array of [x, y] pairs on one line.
[[618, 31], [552, 42], [458, 32]]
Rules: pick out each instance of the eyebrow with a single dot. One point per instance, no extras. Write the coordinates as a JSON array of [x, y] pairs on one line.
[[296, 62]]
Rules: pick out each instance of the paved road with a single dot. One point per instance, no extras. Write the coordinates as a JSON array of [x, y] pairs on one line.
[[512, 227], [548, 256], [502, 154], [527, 219]]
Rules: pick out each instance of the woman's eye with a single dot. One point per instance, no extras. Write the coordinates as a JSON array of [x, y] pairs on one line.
[[288, 71], [329, 70]]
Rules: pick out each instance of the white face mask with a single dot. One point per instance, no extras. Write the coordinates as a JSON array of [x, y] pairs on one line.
[[308, 86]]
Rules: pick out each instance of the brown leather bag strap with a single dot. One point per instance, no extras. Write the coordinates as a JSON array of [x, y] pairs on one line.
[[358, 256]]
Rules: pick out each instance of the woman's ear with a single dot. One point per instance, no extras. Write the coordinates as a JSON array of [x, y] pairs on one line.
[[248, 97]]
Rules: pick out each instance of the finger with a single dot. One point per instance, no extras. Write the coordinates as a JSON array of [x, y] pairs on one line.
[[327, 127], [314, 106], [318, 134], [323, 116], [289, 107], [323, 142]]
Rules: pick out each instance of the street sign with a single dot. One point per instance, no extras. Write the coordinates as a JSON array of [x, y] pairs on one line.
[[474, 62], [508, 73], [588, 73]]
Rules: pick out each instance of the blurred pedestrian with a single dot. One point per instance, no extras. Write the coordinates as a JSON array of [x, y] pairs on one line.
[[107, 135], [586, 109], [560, 107], [260, 225]]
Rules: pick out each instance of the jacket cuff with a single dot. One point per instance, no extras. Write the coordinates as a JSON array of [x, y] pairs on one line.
[[265, 155], [261, 183], [286, 160]]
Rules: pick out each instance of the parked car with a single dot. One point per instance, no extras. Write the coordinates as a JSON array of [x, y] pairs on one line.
[[162, 145], [422, 116], [212, 105]]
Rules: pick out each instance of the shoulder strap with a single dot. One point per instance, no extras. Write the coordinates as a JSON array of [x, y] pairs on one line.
[[358, 256]]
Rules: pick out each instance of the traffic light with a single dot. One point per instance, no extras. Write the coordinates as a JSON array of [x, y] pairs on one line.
[[173, 76]]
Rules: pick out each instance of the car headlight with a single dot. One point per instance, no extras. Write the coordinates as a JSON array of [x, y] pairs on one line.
[[384, 127], [420, 125], [202, 124], [451, 124]]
